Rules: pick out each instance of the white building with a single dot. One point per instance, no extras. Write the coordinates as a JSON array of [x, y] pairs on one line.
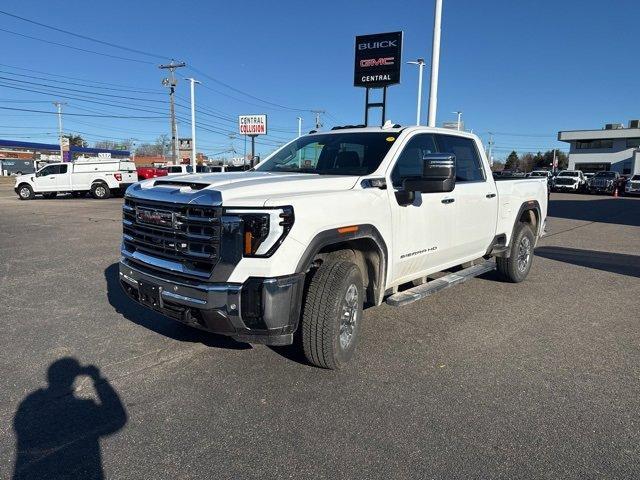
[[613, 148]]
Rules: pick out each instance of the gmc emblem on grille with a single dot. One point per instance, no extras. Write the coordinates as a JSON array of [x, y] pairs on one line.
[[150, 216]]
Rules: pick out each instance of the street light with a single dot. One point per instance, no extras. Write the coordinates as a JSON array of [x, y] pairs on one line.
[[193, 123], [459, 118], [420, 63]]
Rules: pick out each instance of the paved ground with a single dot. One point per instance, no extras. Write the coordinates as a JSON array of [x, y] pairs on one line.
[[487, 380]]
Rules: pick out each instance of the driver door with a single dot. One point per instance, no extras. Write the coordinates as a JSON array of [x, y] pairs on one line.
[[45, 180], [422, 231]]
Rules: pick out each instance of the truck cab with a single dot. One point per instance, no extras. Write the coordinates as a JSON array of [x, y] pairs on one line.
[[330, 222]]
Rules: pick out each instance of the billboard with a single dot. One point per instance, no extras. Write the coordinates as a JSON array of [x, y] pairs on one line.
[[252, 124], [378, 60]]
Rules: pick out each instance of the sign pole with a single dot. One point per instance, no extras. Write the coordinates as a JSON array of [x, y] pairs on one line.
[[253, 150]]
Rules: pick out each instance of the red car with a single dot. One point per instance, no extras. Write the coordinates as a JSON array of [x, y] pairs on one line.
[[150, 172]]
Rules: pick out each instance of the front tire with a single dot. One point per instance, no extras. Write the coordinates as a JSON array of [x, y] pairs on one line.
[[25, 192], [100, 191], [332, 314], [516, 267]]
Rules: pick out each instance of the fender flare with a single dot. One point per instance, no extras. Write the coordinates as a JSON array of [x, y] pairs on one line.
[[330, 237]]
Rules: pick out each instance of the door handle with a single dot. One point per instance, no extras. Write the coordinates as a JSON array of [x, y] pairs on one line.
[[448, 200], [491, 195]]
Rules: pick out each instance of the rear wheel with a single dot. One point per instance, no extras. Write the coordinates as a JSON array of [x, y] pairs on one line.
[[332, 314], [100, 191], [516, 267], [25, 192]]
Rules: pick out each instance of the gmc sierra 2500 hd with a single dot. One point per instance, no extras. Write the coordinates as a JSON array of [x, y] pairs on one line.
[[328, 223]]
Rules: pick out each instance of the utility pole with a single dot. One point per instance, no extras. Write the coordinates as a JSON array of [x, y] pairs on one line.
[[459, 119], [318, 122], [420, 63], [435, 64], [59, 107], [554, 165], [299, 126], [193, 123], [171, 82], [490, 148]]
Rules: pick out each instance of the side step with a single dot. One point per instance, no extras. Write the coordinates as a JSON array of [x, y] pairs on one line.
[[416, 293]]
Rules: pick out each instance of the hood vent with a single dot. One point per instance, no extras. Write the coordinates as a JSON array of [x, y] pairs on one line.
[[178, 183]]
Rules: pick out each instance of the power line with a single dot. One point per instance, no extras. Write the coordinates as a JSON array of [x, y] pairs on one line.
[[284, 107], [80, 79], [85, 37], [75, 90], [75, 48], [74, 114]]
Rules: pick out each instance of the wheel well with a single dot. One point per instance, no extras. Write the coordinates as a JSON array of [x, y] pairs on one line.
[[365, 253], [530, 217], [98, 181]]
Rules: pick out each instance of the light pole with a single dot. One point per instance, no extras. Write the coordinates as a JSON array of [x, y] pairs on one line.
[[59, 107], [420, 63], [299, 126], [193, 123], [435, 64], [459, 119]]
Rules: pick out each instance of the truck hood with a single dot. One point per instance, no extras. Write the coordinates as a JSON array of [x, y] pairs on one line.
[[256, 188]]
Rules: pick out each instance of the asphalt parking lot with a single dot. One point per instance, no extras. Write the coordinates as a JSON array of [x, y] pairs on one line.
[[485, 380]]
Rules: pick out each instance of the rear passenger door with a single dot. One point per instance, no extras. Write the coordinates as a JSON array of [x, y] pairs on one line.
[[475, 196]]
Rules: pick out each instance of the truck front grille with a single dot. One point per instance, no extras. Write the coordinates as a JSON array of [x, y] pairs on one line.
[[183, 236]]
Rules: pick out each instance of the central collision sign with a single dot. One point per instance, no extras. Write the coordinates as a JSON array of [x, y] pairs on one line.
[[252, 124], [378, 60]]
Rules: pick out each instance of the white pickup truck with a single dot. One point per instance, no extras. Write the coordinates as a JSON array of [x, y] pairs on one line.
[[329, 223], [99, 176]]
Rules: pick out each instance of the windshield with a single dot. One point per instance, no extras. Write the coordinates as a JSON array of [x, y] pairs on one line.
[[635, 177], [332, 154], [568, 174], [606, 174]]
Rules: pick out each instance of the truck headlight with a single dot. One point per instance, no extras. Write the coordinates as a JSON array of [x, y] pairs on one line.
[[264, 229]]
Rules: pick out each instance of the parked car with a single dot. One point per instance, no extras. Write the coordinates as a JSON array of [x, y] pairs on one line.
[[540, 173], [633, 186], [604, 182], [329, 222], [178, 169], [145, 173], [569, 180], [99, 176]]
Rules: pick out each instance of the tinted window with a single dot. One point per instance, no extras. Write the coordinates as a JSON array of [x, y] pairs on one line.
[[175, 169], [410, 163], [468, 164], [62, 168]]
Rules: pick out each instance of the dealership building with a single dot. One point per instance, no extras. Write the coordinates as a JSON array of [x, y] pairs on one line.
[[613, 148]]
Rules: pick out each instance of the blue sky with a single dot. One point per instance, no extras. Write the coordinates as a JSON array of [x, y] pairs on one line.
[[522, 69]]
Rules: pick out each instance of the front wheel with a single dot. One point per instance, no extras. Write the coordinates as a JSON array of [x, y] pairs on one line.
[[332, 314], [515, 268], [25, 192], [100, 191]]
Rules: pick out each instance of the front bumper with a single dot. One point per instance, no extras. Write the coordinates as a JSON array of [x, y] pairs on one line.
[[260, 310]]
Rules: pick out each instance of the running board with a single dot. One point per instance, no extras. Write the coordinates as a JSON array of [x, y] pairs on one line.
[[421, 291]]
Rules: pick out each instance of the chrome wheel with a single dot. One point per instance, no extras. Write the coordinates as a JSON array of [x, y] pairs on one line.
[[349, 316], [100, 191], [25, 192], [524, 253]]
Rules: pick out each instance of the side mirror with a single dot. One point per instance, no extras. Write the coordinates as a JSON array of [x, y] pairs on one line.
[[438, 174]]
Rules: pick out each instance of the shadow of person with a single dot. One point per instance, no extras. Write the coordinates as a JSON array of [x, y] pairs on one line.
[[158, 323], [58, 434]]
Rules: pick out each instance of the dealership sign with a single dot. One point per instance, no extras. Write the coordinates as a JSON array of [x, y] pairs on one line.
[[252, 124], [378, 60]]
